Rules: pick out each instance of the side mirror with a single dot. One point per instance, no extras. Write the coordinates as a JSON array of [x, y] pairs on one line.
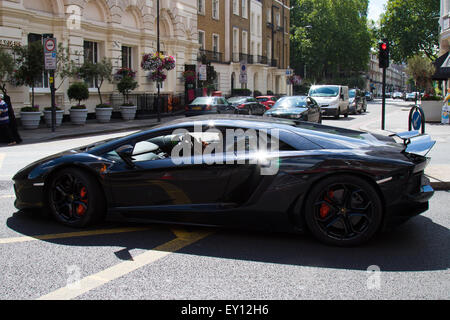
[[126, 152]]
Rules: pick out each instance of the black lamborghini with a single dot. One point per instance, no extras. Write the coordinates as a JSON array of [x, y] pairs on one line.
[[341, 185]]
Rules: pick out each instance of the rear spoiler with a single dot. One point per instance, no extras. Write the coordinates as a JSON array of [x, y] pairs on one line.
[[415, 142]]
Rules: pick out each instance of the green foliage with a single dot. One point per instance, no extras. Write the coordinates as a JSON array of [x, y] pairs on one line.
[[412, 27], [78, 91], [125, 86], [257, 93], [6, 68], [101, 71], [241, 92], [421, 70], [332, 37], [30, 62], [66, 67]]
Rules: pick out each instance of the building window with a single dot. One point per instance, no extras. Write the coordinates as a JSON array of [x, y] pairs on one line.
[[258, 25], [235, 44], [269, 49], [127, 61], [277, 19], [215, 43], [235, 7], [244, 42], [201, 6], [41, 81], [91, 54], [269, 15], [201, 39], [215, 9], [244, 9]]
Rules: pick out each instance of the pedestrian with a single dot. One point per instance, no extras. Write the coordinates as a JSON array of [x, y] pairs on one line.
[[12, 120], [5, 130]]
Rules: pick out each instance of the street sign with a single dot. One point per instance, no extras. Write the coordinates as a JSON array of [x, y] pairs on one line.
[[416, 120], [202, 73], [50, 53], [243, 78]]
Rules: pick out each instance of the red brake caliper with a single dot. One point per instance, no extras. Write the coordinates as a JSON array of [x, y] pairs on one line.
[[80, 209], [324, 208]]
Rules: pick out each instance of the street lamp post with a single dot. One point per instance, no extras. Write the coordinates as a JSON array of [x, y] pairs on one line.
[[157, 49]]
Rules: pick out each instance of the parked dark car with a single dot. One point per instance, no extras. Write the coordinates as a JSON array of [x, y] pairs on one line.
[[208, 105], [247, 105], [344, 186], [296, 107], [358, 103], [268, 101]]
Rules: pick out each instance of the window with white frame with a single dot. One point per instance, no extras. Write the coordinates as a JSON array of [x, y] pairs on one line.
[[40, 81], [201, 6], [215, 43], [244, 9], [269, 48], [201, 39], [277, 19], [269, 15], [236, 7], [91, 54], [244, 41], [235, 44], [215, 9], [258, 25]]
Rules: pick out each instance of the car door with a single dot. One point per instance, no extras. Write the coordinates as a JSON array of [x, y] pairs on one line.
[[313, 110], [158, 179]]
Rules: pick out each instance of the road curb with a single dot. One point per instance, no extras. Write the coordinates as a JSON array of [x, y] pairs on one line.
[[440, 185]]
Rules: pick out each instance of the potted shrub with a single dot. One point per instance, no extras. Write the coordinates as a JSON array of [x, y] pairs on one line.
[[125, 85], [48, 116], [78, 91], [103, 112], [30, 117]]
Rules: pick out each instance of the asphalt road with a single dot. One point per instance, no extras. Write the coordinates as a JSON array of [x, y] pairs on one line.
[[41, 259]]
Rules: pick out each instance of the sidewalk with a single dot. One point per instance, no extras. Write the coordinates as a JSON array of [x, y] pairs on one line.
[[438, 170], [92, 127]]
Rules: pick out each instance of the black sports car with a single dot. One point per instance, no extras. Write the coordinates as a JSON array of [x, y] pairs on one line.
[[229, 170]]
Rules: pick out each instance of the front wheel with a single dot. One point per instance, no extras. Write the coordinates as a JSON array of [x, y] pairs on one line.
[[75, 198], [343, 210]]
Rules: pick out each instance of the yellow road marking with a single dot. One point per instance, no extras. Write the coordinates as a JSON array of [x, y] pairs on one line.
[[71, 234], [7, 196], [2, 156], [88, 283]]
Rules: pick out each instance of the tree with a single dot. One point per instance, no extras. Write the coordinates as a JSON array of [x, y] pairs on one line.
[[331, 37], [421, 70], [65, 67], [78, 91], [412, 27], [100, 71], [126, 83], [6, 69], [30, 60]]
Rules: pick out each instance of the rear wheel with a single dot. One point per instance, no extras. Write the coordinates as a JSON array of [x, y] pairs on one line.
[[343, 211], [75, 198]]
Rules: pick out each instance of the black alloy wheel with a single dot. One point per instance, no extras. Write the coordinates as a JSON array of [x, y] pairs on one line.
[[343, 210], [75, 199]]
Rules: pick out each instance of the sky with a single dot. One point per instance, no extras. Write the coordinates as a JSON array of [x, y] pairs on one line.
[[376, 7]]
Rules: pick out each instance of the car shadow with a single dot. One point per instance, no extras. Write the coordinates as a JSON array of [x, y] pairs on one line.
[[418, 245]]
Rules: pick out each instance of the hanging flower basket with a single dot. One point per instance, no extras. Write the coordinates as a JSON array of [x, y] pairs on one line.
[[124, 72], [156, 63]]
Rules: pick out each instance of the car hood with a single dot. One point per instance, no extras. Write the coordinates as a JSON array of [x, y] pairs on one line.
[[326, 100]]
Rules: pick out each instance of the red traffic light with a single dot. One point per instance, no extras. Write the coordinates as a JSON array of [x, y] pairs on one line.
[[383, 46]]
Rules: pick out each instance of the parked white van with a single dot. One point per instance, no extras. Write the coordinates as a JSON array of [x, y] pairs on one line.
[[332, 99]]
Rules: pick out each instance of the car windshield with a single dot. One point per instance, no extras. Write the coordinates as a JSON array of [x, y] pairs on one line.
[[204, 100], [352, 93], [290, 102], [324, 91], [262, 99]]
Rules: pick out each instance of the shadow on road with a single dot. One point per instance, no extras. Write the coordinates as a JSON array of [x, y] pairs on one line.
[[418, 245]]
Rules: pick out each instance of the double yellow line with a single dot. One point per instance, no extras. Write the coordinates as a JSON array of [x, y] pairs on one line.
[[75, 289]]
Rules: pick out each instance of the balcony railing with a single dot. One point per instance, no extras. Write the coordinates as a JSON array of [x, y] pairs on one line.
[[211, 56], [262, 60], [273, 63]]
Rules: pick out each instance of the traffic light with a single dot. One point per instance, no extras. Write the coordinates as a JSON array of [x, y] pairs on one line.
[[383, 57]]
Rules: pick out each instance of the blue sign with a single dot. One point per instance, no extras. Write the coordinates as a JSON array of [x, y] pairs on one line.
[[416, 120]]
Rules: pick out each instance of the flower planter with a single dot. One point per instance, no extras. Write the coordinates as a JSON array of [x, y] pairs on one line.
[[103, 114], [432, 110], [48, 117], [78, 116], [30, 120], [128, 112]]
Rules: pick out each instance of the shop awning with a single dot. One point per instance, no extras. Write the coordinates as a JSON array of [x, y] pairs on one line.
[[442, 65]]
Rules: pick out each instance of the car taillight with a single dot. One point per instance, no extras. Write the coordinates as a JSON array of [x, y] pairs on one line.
[[208, 107], [241, 106]]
